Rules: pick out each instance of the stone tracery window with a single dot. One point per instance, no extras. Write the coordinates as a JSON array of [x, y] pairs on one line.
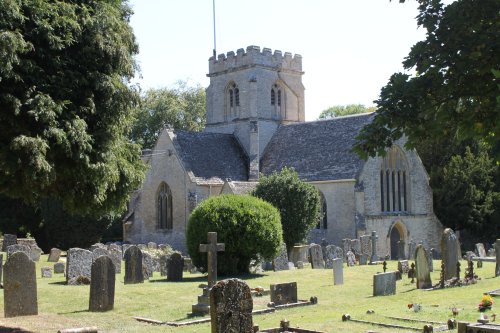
[[276, 101], [394, 182], [233, 100], [164, 207]]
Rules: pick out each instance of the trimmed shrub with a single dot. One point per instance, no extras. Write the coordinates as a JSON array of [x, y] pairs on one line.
[[249, 227]]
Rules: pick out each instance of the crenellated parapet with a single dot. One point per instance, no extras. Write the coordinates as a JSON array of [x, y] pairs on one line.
[[254, 56]]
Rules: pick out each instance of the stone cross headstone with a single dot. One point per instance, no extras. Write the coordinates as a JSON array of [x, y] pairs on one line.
[[54, 255], [8, 240], [423, 272], [46, 272], [338, 271], [175, 267], [497, 254], [284, 293], [384, 284], [231, 306], [351, 259], [78, 264], [411, 249], [211, 249], [449, 250], [102, 285], [20, 293], [18, 248], [316, 254], [403, 266], [59, 267], [401, 250], [163, 265], [133, 266], [374, 257], [481, 252]]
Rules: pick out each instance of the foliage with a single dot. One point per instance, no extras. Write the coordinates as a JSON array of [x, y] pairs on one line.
[[344, 110], [182, 108], [486, 302], [249, 227], [455, 91], [298, 203], [65, 103]]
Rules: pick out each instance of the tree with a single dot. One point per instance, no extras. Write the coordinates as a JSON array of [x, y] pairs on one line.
[[249, 227], [455, 90], [181, 107], [65, 103], [344, 110], [298, 203]]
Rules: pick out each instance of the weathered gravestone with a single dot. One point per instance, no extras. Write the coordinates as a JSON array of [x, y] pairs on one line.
[[97, 246], [338, 271], [152, 246], [46, 272], [299, 253], [363, 259], [450, 253], [366, 244], [316, 253], [147, 265], [113, 246], [300, 265], [175, 265], [54, 255], [1, 267], [78, 265], [403, 266], [116, 257], [497, 255], [356, 246], [284, 293], [481, 252], [431, 258], [102, 285], [346, 246], [142, 247], [98, 252], [133, 266], [280, 263], [125, 247], [384, 284], [422, 270], [8, 240], [59, 267], [18, 248], [36, 252], [374, 238], [401, 250], [411, 249], [163, 265], [332, 252], [20, 294], [351, 259], [231, 307]]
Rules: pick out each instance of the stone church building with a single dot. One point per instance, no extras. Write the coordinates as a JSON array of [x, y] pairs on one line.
[[255, 124]]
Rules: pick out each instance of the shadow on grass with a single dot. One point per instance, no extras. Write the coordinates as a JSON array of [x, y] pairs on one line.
[[77, 311], [61, 283], [4, 329], [204, 278]]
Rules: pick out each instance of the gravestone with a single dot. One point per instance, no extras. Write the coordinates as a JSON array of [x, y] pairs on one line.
[[125, 247], [280, 263], [78, 265], [59, 267], [316, 253], [175, 265], [98, 252], [142, 247], [299, 253], [18, 248], [20, 294], [491, 252], [422, 270], [284, 293], [351, 259], [291, 265], [113, 247], [374, 238], [133, 266], [36, 252], [449, 252], [401, 250], [46, 272], [54, 255], [102, 285], [8, 240], [363, 259], [338, 271], [366, 244], [147, 265], [1, 267], [356, 246], [403, 266], [156, 263], [411, 249], [97, 246], [431, 262], [497, 256], [152, 246], [332, 252], [346, 246], [481, 252], [231, 307], [300, 265], [384, 284], [163, 265], [116, 257]]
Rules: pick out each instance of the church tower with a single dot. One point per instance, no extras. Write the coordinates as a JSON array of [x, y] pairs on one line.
[[252, 93]]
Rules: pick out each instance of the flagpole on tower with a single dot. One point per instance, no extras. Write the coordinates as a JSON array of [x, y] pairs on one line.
[[215, 41]]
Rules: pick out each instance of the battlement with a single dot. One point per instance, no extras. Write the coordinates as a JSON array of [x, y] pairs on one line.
[[253, 56]]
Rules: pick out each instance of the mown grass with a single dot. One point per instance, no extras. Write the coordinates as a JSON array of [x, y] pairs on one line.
[[62, 306]]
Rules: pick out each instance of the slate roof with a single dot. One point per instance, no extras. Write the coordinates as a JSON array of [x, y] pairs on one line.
[[242, 187], [212, 157], [319, 150]]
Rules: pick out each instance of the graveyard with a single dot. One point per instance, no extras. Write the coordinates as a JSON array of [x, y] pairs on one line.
[[62, 306]]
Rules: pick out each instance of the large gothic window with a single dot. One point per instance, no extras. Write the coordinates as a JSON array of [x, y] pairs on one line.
[[323, 217], [164, 207], [233, 100], [276, 101], [394, 182]]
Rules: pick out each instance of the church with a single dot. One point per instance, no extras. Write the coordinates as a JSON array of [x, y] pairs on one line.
[[256, 125]]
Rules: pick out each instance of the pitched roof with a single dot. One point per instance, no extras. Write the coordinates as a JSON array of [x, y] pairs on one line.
[[212, 157], [319, 150], [241, 187]]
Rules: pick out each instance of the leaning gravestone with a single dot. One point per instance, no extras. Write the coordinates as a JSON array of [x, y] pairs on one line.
[[102, 286], [54, 255], [175, 265], [133, 265], [449, 250], [20, 294], [8, 240], [18, 248], [338, 271], [59, 267], [403, 266], [497, 255], [116, 257], [316, 253], [351, 259], [163, 265], [280, 263], [423, 272], [481, 252], [231, 307], [78, 264], [284, 293], [384, 284], [36, 252]]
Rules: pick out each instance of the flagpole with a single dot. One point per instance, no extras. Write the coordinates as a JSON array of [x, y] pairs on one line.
[[215, 41]]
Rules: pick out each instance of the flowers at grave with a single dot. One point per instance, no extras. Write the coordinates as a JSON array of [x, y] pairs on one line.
[[416, 307], [486, 303]]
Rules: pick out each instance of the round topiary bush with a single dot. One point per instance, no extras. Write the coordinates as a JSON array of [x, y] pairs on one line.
[[249, 227]]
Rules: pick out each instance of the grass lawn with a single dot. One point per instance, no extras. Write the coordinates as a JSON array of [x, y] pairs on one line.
[[62, 306]]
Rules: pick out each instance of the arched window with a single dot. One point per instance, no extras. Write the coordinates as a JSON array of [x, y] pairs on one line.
[[276, 100], [233, 101], [393, 182], [164, 207], [323, 217]]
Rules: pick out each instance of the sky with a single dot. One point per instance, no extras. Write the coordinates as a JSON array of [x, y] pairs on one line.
[[349, 48]]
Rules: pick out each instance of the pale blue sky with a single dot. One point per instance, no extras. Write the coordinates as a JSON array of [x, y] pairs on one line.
[[349, 47]]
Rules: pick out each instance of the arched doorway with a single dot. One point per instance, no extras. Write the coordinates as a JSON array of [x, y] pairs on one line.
[[395, 238]]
